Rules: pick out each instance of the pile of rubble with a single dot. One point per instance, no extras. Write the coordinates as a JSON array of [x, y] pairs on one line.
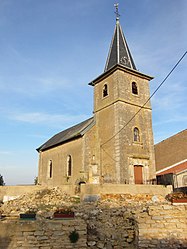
[[52, 199], [102, 221], [44, 200]]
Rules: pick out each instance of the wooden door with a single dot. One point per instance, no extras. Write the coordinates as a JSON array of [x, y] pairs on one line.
[[138, 179]]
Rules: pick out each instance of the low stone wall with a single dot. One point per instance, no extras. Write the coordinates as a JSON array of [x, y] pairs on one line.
[[102, 226], [42, 234], [162, 226], [17, 190], [87, 189], [20, 190]]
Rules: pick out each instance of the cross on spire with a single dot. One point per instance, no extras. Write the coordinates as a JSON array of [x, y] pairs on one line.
[[117, 11]]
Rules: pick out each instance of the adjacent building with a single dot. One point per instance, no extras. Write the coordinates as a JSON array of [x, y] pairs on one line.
[[171, 159]]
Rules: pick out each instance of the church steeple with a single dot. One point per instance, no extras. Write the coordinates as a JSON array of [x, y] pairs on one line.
[[119, 52]]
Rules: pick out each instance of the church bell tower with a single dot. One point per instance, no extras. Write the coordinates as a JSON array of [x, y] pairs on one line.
[[123, 117]]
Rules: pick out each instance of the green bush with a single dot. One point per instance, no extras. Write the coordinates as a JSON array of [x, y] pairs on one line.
[[74, 236]]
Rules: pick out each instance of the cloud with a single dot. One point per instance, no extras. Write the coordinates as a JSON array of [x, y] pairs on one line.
[[173, 119], [48, 119], [30, 86], [168, 102], [170, 97]]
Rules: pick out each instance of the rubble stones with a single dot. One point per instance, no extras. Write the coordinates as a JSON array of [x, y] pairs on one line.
[[41, 202], [114, 221]]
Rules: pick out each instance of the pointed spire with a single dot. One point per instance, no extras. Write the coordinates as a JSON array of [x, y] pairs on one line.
[[119, 52]]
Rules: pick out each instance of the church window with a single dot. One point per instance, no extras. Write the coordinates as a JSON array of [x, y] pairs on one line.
[[50, 168], [136, 135], [69, 166], [105, 90], [134, 88]]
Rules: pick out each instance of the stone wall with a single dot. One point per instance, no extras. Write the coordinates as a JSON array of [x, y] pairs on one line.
[[17, 190], [107, 226], [119, 153], [42, 234], [87, 189], [14, 191], [162, 226], [96, 189], [58, 155]]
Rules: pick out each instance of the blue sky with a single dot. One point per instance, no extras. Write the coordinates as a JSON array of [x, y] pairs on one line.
[[51, 49]]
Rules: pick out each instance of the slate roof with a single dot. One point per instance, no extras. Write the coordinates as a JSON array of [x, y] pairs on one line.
[[68, 134], [119, 52]]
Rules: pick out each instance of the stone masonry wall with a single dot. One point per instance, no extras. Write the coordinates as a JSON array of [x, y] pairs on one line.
[[102, 226], [105, 221], [41, 234], [162, 226]]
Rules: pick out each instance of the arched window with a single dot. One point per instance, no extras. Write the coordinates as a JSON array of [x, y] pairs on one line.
[[105, 90], [136, 135], [50, 168], [134, 88], [69, 166]]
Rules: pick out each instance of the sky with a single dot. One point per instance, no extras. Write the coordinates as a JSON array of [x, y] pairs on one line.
[[51, 49]]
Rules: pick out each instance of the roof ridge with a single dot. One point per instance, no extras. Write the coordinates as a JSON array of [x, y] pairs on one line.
[[66, 135], [74, 125]]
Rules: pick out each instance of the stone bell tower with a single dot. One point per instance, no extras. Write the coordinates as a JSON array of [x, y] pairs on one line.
[[123, 117]]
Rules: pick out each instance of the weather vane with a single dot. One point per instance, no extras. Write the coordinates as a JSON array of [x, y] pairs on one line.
[[117, 11]]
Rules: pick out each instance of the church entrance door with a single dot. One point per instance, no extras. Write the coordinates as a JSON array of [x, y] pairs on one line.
[[138, 179]]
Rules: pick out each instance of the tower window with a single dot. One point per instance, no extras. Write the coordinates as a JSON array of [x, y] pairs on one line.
[[69, 166], [50, 168], [136, 135], [134, 88], [105, 90]]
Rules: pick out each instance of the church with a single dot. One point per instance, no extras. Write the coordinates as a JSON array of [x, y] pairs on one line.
[[115, 145]]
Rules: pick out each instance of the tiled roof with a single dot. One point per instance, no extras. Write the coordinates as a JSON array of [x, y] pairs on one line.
[[68, 134], [176, 168]]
